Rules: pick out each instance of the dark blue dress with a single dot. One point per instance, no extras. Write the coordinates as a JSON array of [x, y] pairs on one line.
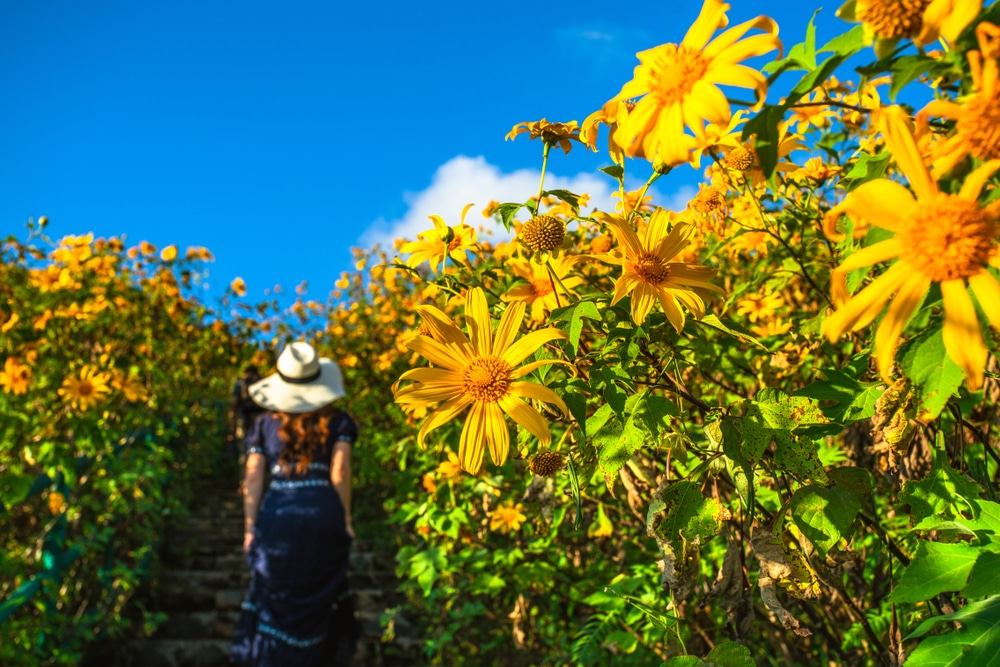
[[298, 610]]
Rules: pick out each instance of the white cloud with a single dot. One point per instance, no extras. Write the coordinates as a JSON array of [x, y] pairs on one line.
[[465, 180]]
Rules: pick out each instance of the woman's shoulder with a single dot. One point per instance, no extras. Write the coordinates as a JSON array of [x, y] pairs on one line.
[[343, 427]]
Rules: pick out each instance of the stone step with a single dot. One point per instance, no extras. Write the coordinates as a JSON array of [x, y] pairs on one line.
[[178, 653]]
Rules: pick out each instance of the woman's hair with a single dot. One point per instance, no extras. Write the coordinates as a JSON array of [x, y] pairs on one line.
[[304, 435]]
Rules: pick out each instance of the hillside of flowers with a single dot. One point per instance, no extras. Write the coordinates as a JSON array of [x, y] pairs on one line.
[[757, 430]]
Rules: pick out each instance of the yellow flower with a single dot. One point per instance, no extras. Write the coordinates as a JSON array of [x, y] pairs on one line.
[[772, 328], [169, 253], [450, 468], [611, 114], [679, 83], [649, 275], [940, 238], [430, 486], [86, 390], [132, 387], [543, 293], [10, 323], [479, 372], [554, 134], [15, 376], [809, 112], [762, 307], [43, 320], [507, 517], [601, 527], [238, 286], [57, 502], [441, 242], [631, 202], [978, 116], [925, 21]]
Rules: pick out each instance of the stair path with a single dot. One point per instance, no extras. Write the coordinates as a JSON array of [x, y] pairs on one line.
[[204, 580]]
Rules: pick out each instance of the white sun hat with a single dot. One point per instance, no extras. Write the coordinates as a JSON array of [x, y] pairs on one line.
[[304, 382]]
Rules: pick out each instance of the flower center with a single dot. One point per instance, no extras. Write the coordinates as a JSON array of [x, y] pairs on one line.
[[651, 268], [542, 232], [739, 159], [980, 125], [674, 71], [892, 19], [85, 389], [949, 238], [541, 287], [487, 379], [708, 200]]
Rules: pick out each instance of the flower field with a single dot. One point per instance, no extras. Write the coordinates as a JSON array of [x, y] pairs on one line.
[[758, 430]]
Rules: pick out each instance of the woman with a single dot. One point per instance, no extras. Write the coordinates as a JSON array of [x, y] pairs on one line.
[[298, 610]]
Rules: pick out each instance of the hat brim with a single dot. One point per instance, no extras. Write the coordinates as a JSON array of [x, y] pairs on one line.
[[274, 393]]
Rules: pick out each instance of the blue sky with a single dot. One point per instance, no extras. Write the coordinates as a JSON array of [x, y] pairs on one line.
[[279, 135]]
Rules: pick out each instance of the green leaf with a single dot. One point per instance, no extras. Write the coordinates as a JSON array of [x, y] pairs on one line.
[[614, 171], [726, 654], [567, 196], [846, 44], [824, 515], [867, 168], [682, 511], [507, 212], [814, 78], [934, 375], [771, 417], [852, 400], [985, 576], [574, 485], [575, 314], [907, 69], [975, 644], [731, 329], [935, 569], [14, 489], [765, 126], [939, 492]]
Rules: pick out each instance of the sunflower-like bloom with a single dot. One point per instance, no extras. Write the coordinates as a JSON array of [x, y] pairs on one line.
[[543, 293], [86, 390], [508, 517], [479, 372], [942, 238], [649, 275], [554, 134], [15, 376], [924, 21], [978, 117], [611, 114], [440, 242], [679, 84]]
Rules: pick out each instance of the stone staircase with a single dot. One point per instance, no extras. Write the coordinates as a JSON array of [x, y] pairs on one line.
[[204, 579]]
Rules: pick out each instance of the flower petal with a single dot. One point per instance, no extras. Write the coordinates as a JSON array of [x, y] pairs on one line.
[[472, 443], [987, 291], [643, 298], [862, 308], [497, 433], [510, 323], [444, 414], [973, 185], [882, 251], [453, 357], [625, 284], [962, 338], [539, 393], [881, 202], [526, 416], [908, 298], [712, 17], [895, 125], [477, 317], [526, 346], [443, 329], [672, 310]]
